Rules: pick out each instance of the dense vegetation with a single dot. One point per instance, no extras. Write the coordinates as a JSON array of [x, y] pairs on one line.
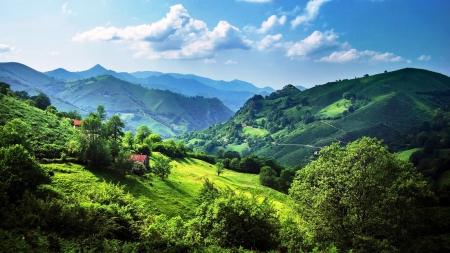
[[289, 125], [91, 194], [166, 112]]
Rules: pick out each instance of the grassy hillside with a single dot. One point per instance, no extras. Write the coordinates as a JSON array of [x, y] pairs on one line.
[[168, 113], [172, 197], [48, 134], [295, 123]]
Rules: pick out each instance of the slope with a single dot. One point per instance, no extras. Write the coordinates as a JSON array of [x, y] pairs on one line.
[[385, 106], [174, 196]]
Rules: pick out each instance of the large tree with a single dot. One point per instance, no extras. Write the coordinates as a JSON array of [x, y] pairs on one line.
[[115, 127], [361, 196]]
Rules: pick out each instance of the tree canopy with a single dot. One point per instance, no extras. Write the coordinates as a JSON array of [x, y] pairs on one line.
[[361, 197]]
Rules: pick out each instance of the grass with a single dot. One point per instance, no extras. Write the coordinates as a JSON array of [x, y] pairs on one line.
[[251, 131], [335, 109], [404, 155], [174, 196]]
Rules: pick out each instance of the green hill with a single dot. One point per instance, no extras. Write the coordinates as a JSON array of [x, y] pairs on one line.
[[165, 112], [386, 106]]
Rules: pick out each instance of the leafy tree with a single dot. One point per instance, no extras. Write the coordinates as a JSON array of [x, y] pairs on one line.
[[101, 114], [115, 127], [142, 132], [361, 197], [161, 166], [268, 177], [219, 168], [155, 138], [128, 140], [235, 220], [41, 101], [123, 164], [22, 94], [234, 164], [232, 154], [19, 172], [139, 168]]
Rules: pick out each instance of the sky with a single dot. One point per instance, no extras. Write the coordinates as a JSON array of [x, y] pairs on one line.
[[264, 42]]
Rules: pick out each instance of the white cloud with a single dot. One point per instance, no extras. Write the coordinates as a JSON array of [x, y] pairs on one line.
[[255, 1], [408, 61], [314, 43], [309, 13], [65, 10], [53, 53], [424, 58], [6, 50], [270, 42], [177, 36], [271, 22], [354, 55], [230, 62]]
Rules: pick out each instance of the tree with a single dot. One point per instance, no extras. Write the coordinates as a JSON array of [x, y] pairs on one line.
[[227, 219], [41, 101], [128, 140], [361, 197], [19, 172], [219, 168], [268, 177], [115, 127], [142, 132], [161, 166], [101, 114]]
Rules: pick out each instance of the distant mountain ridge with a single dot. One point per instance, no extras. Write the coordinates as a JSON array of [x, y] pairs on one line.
[[165, 112], [236, 91]]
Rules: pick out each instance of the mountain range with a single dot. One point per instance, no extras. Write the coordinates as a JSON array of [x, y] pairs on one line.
[[165, 112], [233, 94]]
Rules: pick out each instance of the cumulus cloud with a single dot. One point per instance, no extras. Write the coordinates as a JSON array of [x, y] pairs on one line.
[[270, 42], [65, 10], [177, 36], [314, 43], [210, 61], [424, 57], [230, 62], [271, 22], [309, 13], [354, 55], [7, 50]]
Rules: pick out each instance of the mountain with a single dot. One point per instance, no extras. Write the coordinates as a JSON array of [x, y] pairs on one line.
[[300, 87], [165, 112], [63, 74], [290, 124], [233, 94], [191, 87]]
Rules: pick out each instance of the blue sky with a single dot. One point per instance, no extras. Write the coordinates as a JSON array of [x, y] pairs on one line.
[[265, 42]]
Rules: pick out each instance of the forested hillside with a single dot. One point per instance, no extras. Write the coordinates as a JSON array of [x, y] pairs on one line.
[[112, 190], [166, 112], [290, 124]]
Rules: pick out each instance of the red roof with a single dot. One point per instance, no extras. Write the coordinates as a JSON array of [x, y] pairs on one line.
[[139, 158], [77, 122]]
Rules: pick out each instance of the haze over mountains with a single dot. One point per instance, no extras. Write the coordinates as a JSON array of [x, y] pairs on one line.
[[233, 93], [166, 112]]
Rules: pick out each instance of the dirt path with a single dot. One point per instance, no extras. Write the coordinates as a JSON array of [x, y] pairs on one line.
[[334, 126], [301, 145]]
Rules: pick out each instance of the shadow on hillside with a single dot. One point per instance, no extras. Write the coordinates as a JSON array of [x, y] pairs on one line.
[[175, 188]]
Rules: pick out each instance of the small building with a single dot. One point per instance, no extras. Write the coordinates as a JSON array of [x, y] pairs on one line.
[[77, 123], [140, 158]]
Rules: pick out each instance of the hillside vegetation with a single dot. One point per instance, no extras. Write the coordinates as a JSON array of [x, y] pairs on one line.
[[166, 112], [387, 106]]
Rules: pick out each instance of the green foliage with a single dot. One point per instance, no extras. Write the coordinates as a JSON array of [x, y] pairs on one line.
[[19, 172], [219, 168], [42, 101], [234, 220], [115, 127], [268, 177], [361, 197], [139, 168], [161, 166], [123, 164]]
